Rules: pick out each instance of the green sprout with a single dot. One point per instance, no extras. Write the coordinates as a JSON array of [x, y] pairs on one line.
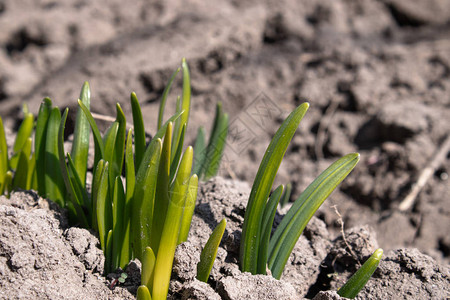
[[258, 251], [18, 172], [352, 287], [209, 252]]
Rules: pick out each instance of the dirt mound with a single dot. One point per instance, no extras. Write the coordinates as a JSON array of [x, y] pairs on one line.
[[42, 258]]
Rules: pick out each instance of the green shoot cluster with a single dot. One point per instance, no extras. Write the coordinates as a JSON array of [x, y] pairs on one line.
[[258, 250]]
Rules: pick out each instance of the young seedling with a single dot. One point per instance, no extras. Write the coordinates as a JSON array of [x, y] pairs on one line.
[[258, 251], [360, 278], [209, 252]]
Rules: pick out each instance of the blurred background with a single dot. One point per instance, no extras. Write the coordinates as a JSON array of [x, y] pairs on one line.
[[375, 72]]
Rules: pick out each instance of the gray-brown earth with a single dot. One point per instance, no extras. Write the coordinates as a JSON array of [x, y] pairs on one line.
[[376, 73]]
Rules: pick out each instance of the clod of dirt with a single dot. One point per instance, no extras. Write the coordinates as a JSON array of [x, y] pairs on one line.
[[247, 286], [39, 260], [40, 257]]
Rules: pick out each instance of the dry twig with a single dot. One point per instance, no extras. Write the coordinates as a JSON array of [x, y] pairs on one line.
[[426, 174]]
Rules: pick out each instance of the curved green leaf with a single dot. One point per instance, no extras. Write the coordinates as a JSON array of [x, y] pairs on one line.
[[199, 151], [189, 207], [360, 278], [216, 144], [143, 200], [139, 131], [24, 132], [125, 255], [80, 145], [267, 223], [39, 143], [143, 293], [3, 156], [98, 142], [54, 181], [148, 266], [209, 252], [259, 194], [118, 221], [73, 187], [169, 237], [293, 223], [103, 209], [162, 190], [21, 176]]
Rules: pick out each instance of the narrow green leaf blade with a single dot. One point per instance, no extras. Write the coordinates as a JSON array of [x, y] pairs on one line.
[[54, 181], [104, 211], [31, 177], [189, 207], [119, 145], [216, 146], [80, 146], [148, 266], [293, 223], [169, 237], [74, 191], [118, 220], [25, 130], [143, 200], [199, 151], [109, 140], [96, 183], [209, 252], [359, 279], [261, 189], [125, 255], [162, 190], [143, 293], [267, 223], [98, 142], [20, 177], [3, 156], [177, 154], [108, 252], [139, 131], [39, 143], [7, 183]]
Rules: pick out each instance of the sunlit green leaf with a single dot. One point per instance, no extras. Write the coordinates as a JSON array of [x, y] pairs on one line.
[[139, 131], [267, 223], [143, 293], [118, 220], [216, 144], [148, 265], [293, 223], [54, 181], [125, 255], [3, 156], [169, 238], [251, 231], [359, 279], [39, 143], [199, 151], [25, 130], [80, 145], [143, 200], [162, 190], [189, 207], [209, 252]]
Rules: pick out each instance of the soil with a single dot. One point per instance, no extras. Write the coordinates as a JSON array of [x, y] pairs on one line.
[[376, 74]]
